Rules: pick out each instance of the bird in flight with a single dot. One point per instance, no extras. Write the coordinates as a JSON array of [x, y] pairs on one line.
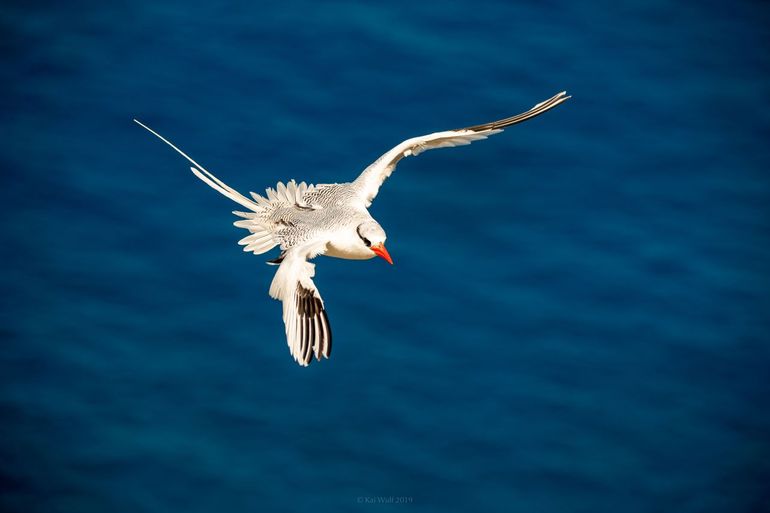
[[328, 219]]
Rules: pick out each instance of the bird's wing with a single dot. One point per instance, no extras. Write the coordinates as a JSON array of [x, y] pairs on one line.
[[369, 182], [307, 326]]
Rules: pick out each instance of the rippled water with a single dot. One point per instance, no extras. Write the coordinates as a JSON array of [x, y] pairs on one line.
[[578, 315]]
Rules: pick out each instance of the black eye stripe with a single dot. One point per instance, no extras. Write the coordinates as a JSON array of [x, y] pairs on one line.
[[366, 241]]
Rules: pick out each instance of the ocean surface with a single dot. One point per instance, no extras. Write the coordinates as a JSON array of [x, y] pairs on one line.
[[578, 318]]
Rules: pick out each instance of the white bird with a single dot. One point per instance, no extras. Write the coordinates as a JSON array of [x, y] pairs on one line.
[[332, 220]]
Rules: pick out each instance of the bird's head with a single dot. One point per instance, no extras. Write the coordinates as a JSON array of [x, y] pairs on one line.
[[373, 237]]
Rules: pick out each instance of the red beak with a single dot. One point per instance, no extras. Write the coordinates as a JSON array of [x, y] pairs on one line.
[[380, 251]]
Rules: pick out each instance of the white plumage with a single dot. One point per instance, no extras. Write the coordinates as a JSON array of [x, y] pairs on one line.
[[330, 219]]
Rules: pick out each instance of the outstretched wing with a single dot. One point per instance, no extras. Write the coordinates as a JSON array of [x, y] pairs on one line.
[[307, 326], [369, 182]]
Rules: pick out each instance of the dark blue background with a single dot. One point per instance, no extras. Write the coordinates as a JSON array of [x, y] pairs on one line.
[[578, 316]]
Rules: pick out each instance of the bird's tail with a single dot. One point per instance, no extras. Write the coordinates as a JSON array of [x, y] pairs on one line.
[[201, 172], [261, 238]]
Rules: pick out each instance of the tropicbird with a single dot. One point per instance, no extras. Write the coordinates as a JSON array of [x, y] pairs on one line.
[[332, 220]]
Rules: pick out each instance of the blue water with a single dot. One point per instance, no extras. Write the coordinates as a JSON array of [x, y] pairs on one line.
[[578, 316]]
